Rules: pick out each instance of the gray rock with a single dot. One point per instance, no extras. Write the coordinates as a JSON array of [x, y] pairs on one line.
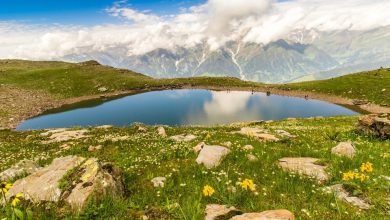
[[102, 89], [266, 215], [258, 134], [344, 149], [306, 166], [375, 124], [211, 156], [161, 132], [24, 167], [342, 194], [183, 138], [62, 135], [159, 181]]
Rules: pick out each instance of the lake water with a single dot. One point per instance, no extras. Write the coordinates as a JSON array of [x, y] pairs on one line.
[[184, 107]]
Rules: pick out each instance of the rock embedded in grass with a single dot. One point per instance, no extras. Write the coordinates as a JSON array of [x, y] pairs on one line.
[[161, 132], [22, 168], [216, 212], [375, 124], [248, 148], [212, 155], [257, 133], [345, 149], [159, 182], [266, 215], [306, 166], [183, 138], [62, 135], [344, 195]]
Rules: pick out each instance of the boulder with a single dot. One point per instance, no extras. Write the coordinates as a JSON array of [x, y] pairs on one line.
[[24, 167], [94, 148], [248, 147], [345, 149], [258, 134], [216, 212], [285, 134], [161, 132], [71, 179], [211, 156], [198, 147], [62, 135], [266, 215], [306, 166], [251, 157], [342, 194], [375, 124], [183, 138], [159, 181]]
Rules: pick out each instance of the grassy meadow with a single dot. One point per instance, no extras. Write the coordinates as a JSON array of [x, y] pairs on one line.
[[145, 155]]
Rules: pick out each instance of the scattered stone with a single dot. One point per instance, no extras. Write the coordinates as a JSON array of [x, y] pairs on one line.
[[183, 138], [383, 90], [375, 124], [284, 133], [87, 176], [387, 178], [267, 215], [161, 132], [102, 89], [342, 194], [216, 212], [211, 156], [258, 134], [142, 128], [306, 166], [248, 147], [360, 102], [199, 147], [344, 149], [94, 148], [61, 135], [113, 138], [159, 182], [24, 167], [227, 144], [252, 158], [104, 127]]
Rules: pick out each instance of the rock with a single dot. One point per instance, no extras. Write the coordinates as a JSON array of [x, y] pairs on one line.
[[284, 133], [94, 148], [344, 149], [342, 194], [198, 147], [359, 102], [161, 132], [248, 147], [266, 215], [216, 212], [142, 128], [159, 181], [211, 156], [383, 90], [375, 124], [86, 176], [387, 178], [258, 134], [61, 135], [24, 167], [227, 144], [183, 138], [306, 166], [252, 157], [104, 127], [93, 176], [43, 184], [102, 89]]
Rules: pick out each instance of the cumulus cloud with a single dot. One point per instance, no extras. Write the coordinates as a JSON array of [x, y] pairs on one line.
[[215, 22]]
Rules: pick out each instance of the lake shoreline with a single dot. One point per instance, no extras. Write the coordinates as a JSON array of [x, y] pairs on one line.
[[51, 103]]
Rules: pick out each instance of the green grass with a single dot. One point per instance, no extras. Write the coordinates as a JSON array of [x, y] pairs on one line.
[[146, 155], [364, 86]]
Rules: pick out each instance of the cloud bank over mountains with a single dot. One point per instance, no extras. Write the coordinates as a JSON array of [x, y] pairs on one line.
[[215, 22]]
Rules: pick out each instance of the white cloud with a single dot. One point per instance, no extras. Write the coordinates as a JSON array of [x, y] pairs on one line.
[[215, 22]]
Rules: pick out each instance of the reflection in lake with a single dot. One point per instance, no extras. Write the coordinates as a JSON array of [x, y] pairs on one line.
[[185, 107]]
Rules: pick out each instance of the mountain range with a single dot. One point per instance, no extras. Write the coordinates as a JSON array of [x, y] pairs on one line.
[[300, 56]]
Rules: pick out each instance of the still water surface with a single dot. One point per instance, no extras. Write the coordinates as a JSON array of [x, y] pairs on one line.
[[185, 107]]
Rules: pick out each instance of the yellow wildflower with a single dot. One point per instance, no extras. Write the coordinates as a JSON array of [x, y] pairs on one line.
[[366, 167], [208, 191], [4, 187], [363, 177], [16, 200], [248, 184], [349, 175]]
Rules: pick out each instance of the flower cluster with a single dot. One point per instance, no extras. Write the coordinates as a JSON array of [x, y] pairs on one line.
[[248, 184], [364, 168], [208, 191]]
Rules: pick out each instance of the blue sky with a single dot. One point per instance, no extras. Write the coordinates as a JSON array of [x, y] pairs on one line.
[[80, 11]]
